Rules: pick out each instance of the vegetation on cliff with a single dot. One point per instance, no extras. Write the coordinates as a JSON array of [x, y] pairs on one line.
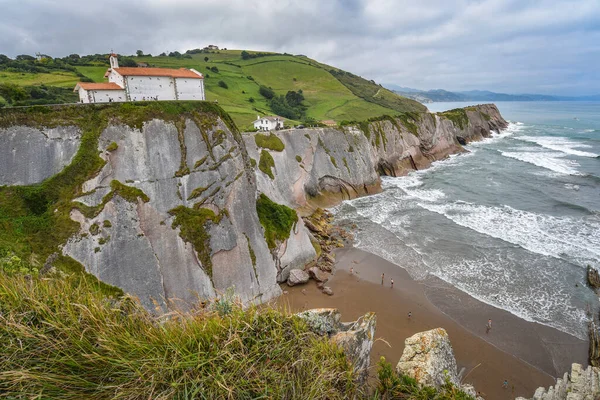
[[277, 220], [35, 219], [270, 141], [63, 339], [458, 116]]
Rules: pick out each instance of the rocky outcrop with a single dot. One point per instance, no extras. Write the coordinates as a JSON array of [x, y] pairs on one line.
[[429, 359], [580, 384], [323, 166], [593, 277], [29, 155], [170, 213], [355, 338]]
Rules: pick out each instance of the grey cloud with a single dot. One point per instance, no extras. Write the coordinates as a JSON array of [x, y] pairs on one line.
[[546, 46]]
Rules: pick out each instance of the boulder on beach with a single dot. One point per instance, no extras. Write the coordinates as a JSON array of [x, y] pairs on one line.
[[297, 277], [328, 291], [317, 274]]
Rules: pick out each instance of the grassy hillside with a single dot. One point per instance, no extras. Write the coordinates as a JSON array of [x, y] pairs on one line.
[[329, 93]]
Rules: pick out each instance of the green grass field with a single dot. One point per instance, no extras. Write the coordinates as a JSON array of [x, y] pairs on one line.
[[330, 93], [60, 79]]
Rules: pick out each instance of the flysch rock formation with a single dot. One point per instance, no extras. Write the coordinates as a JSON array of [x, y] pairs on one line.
[[580, 384], [355, 338], [203, 163], [143, 254], [30, 155]]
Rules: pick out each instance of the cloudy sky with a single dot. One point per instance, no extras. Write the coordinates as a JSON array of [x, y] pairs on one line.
[[515, 46]]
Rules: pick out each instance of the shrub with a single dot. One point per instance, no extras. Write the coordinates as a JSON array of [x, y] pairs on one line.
[[266, 92], [223, 85], [214, 69], [251, 100]]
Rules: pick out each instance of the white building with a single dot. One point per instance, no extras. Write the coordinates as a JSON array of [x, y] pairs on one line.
[[268, 123], [141, 84]]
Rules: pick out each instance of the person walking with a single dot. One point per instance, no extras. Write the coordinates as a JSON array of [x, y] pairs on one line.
[[488, 327], [352, 270], [505, 384], [392, 282], [409, 314], [382, 276]]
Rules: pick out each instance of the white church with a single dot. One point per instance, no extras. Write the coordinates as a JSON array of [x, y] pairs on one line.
[[143, 84]]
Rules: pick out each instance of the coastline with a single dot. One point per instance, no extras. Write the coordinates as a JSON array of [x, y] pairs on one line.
[[527, 354]]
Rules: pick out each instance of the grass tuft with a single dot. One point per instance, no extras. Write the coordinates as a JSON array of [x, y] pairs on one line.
[[63, 339]]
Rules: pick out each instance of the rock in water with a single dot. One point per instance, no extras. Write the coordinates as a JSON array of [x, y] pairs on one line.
[[327, 290], [355, 338], [297, 276], [593, 277], [428, 358]]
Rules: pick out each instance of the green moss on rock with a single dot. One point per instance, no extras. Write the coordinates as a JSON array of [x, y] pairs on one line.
[[35, 219], [276, 219], [270, 141], [193, 228], [112, 147], [266, 163], [458, 116]]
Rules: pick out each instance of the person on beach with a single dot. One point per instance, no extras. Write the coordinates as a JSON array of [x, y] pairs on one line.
[[392, 282], [352, 270], [488, 327], [505, 384], [409, 314], [382, 276]]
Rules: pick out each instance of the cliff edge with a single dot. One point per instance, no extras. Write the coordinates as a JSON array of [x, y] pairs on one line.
[[168, 201]]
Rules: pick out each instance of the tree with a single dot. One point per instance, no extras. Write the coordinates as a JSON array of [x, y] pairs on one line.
[[294, 99], [163, 54], [139, 53], [127, 62], [245, 55], [205, 59], [266, 92], [175, 54]]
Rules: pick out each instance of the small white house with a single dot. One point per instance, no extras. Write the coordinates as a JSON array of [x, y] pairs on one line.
[[142, 84], [268, 123]]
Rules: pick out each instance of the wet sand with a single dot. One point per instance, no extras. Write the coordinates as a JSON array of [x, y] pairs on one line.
[[527, 354]]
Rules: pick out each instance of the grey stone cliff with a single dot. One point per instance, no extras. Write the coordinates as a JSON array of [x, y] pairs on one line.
[[200, 165], [30, 155]]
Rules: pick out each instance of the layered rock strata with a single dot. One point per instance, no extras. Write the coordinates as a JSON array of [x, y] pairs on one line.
[[172, 218]]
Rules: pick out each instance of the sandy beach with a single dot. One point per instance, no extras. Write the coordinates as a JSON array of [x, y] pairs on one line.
[[526, 354]]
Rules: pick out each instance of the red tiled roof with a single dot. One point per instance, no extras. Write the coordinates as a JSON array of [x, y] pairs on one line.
[[173, 73], [99, 86]]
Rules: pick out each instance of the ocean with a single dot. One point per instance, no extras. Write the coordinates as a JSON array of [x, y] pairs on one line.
[[514, 223]]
